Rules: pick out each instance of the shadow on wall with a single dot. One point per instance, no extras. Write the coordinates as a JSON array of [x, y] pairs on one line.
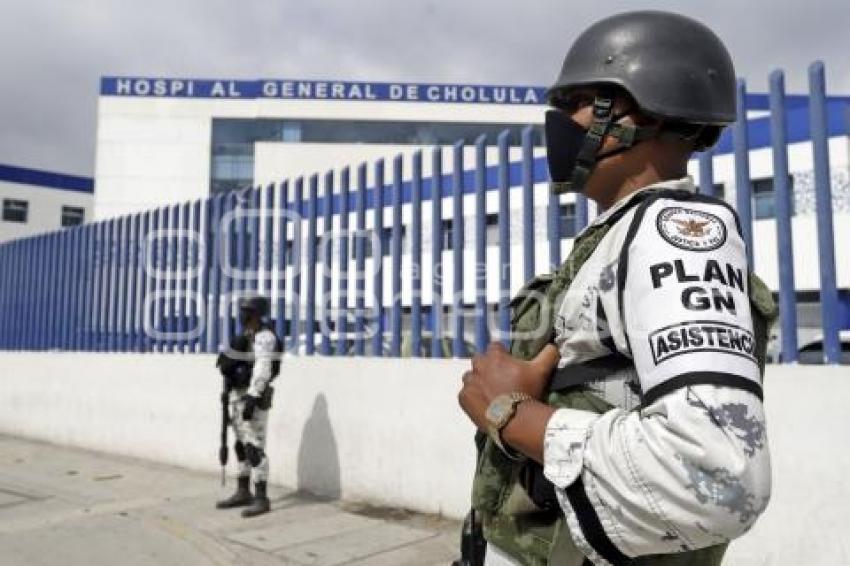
[[318, 460]]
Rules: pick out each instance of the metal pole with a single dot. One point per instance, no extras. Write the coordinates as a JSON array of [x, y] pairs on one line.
[[458, 346], [342, 313], [481, 335], [436, 252], [504, 238], [823, 202], [378, 260], [395, 342], [743, 186], [416, 255], [784, 234], [528, 251]]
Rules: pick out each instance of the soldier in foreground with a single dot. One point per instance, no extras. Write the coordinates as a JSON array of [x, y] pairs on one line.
[[625, 425], [249, 368]]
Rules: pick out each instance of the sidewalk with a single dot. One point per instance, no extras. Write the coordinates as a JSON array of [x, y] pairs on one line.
[[73, 507]]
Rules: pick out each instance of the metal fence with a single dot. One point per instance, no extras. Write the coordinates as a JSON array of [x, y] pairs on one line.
[[167, 279]]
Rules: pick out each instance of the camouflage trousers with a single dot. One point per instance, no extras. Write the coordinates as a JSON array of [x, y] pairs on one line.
[[251, 434]]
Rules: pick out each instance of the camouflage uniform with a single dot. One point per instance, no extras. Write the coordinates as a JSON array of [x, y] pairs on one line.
[[664, 451]]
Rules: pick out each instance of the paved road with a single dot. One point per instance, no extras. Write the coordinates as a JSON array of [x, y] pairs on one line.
[[72, 507]]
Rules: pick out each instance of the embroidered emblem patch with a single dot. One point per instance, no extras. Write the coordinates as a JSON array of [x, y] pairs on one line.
[[691, 229]]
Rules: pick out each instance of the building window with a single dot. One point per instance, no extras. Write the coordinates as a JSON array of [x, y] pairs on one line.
[[447, 231], [764, 201], [492, 230], [567, 212], [15, 210], [72, 216]]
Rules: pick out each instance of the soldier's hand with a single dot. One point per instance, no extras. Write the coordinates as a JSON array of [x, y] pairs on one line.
[[250, 404], [496, 372]]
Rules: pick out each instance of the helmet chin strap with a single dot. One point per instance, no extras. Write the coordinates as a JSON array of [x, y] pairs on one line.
[[605, 124]]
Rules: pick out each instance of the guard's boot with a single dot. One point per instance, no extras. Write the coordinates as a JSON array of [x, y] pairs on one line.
[[261, 501], [241, 498]]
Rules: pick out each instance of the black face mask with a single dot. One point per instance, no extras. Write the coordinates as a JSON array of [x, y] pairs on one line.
[[564, 140]]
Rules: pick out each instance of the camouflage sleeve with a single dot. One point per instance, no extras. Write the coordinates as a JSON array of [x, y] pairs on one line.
[[264, 353]]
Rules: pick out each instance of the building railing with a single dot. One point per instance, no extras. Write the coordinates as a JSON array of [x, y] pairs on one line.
[[168, 279]]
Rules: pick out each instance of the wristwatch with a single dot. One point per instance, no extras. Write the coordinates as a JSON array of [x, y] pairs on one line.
[[500, 412]]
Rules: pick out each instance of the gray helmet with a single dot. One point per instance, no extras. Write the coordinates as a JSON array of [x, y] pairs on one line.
[[255, 304], [674, 67]]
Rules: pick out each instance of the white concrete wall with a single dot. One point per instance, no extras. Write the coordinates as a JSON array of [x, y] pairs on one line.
[[390, 431], [45, 208]]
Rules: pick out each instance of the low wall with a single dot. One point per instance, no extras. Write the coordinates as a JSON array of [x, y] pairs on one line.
[[390, 432]]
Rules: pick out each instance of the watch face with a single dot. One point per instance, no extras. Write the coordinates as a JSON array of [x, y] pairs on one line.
[[499, 410]]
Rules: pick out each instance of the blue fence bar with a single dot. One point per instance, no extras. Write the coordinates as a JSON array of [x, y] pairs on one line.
[[823, 203], [706, 173], [481, 336], [342, 309], [121, 281], [360, 265], [174, 276], [255, 212], [458, 347], [227, 266], [553, 217], [436, 252], [91, 286], [279, 281], [416, 255], [180, 278], [267, 283], [297, 242], [743, 185], [310, 307], [397, 237], [103, 308], [378, 247], [504, 238], [528, 203], [327, 242], [133, 283], [142, 282], [784, 236]]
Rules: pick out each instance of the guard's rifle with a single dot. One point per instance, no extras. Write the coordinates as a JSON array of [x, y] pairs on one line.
[[225, 422]]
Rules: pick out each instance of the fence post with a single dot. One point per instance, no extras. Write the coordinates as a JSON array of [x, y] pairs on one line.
[[436, 252], [481, 317], [310, 307], [378, 260], [823, 202], [395, 343], [504, 238], [416, 255], [360, 264], [528, 251], [121, 280], [458, 343], [743, 186], [706, 173], [342, 314], [784, 235], [281, 212], [297, 243], [327, 261]]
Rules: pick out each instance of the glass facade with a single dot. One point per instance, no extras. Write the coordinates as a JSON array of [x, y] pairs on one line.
[[72, 216], [15, 210], [764, 198], [233, 139]]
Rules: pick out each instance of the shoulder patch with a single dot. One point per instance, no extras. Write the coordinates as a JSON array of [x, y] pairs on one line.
[[691, 229]]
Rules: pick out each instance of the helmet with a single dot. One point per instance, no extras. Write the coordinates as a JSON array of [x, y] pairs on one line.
[[256, 304], [674, 67]]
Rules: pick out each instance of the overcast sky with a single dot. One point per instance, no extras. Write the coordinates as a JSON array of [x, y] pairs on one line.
[[52, 52]]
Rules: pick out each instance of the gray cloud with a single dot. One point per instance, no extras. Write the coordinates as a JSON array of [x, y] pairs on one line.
[[54, 51]]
